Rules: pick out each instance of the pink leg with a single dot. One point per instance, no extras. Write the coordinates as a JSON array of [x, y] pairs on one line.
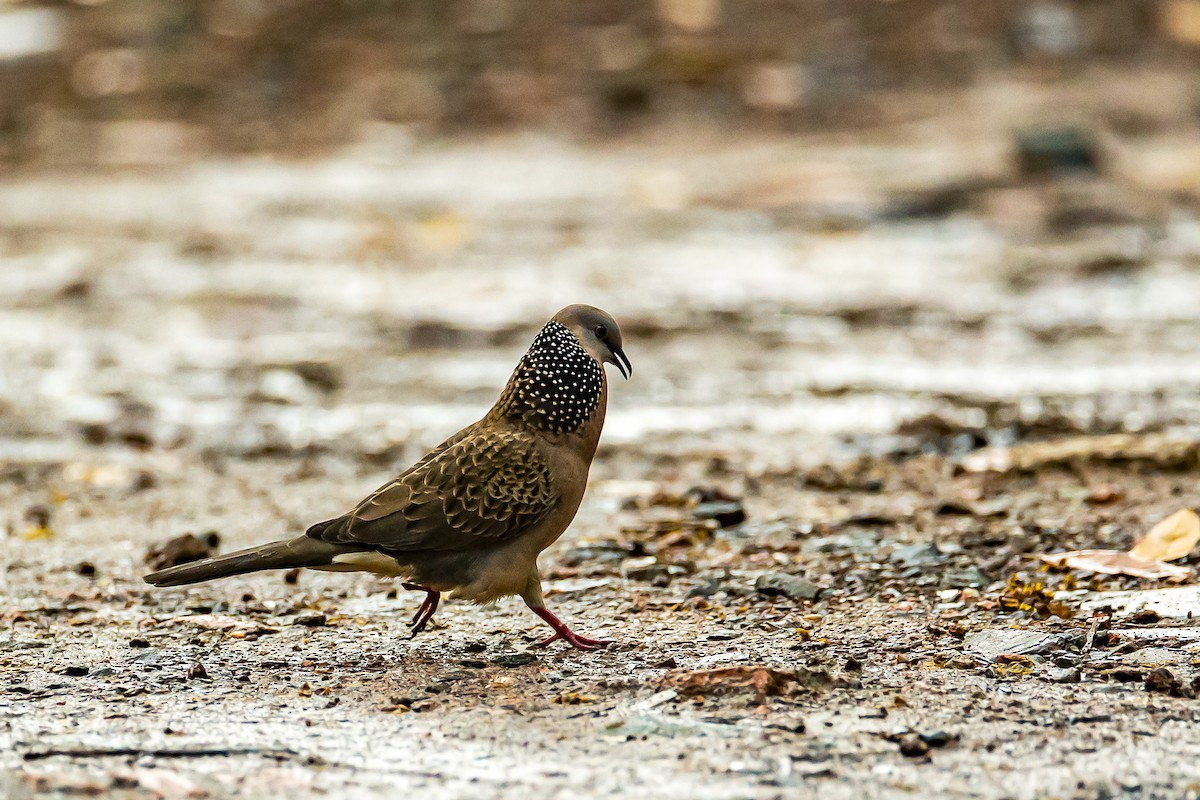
[[428, 606], [561, 631]]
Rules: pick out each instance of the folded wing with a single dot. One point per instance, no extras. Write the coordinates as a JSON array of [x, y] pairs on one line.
[[481, 487]]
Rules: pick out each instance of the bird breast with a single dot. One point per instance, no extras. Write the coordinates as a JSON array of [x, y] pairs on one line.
[[557, 386]]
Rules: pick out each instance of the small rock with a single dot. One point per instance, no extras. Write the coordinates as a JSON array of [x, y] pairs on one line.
[[285, 387], [85, 568], [995, 642], [647, 570], [917, 555], [726, 515], [936, 738], [311, 620], [707, 589], [1062, 675], [1124, 674], [76, 670], [38, 515], [971, 577], [182, 550], [138, 642], [1162, 680], [511, 660], [196, 671], [912, 746], [776, 584], [1154, 657], [1044, 151]]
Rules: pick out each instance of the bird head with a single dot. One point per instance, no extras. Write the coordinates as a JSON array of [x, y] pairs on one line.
[[598, 334]]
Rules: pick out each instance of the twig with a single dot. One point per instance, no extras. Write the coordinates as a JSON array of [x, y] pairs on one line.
[[1090, 641], [108, 752]]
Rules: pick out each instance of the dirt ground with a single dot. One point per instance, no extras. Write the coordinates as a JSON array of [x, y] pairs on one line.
[[875, 377]]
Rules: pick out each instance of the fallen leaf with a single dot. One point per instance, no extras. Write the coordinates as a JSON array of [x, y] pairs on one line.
[[1171, 539], [1114, 562], [37, 532], [763, 681]]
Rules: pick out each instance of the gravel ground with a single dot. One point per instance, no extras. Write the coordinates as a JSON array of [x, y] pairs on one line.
[[875, 378]]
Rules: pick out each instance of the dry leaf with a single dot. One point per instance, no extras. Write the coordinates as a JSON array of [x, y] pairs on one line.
[[37, 532], [763, 681], [1114, 562], [1171, 539]]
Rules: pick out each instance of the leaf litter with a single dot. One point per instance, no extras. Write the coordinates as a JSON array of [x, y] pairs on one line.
[[1170, 540]]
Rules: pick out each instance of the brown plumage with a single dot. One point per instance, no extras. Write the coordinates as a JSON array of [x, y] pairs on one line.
[[471, 517]]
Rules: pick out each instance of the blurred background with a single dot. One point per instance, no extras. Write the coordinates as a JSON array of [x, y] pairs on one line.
[[244, 229]]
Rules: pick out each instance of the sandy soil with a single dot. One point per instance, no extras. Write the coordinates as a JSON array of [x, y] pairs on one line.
[[825, 333]]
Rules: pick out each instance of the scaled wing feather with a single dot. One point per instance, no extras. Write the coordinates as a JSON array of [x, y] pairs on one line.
[[481, 487]]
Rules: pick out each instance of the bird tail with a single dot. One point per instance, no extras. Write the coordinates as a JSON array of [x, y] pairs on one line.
[[302, 551]]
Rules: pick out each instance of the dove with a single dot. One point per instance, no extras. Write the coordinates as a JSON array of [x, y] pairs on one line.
[[471, 517]]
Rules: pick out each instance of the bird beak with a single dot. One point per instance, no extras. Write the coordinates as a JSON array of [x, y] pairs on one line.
[[622, 363]]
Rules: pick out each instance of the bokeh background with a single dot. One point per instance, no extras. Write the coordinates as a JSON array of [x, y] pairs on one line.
[[248, 227]]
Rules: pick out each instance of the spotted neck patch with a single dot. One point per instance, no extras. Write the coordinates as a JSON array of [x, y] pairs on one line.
[[556, 386]]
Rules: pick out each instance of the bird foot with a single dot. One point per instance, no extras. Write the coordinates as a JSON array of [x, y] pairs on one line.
[[578, 642], [561, 631], [425, 613]]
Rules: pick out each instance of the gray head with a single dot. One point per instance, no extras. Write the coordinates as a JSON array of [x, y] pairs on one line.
[[598, 334]]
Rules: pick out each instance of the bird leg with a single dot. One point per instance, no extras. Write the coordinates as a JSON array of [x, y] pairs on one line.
[[428, 606], [561, 631]]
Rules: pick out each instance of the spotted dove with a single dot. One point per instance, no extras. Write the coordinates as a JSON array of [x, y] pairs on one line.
[[471, 517]]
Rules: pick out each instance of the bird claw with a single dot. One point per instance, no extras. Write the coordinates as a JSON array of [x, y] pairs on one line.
[[561, 631], [425, 612], [576, 641]]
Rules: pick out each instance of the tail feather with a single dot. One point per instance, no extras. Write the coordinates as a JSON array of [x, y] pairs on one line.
[[302, 551]]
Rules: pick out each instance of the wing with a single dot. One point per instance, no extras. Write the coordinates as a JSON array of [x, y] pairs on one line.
[[482, 486]]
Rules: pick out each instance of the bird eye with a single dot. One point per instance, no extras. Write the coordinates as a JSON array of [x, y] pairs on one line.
[[601, 331]]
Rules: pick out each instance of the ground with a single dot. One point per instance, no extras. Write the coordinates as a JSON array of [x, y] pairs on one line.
[[910, 366]]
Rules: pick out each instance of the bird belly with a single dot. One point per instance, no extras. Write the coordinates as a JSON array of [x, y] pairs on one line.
[[367, 561]]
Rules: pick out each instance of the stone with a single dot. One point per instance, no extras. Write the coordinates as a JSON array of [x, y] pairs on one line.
[[994, 642], [726, 515], [646, 570], [972, 576], [1155, 657], [1062, 675], [917, 555], [912, 746], [794, 587]]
